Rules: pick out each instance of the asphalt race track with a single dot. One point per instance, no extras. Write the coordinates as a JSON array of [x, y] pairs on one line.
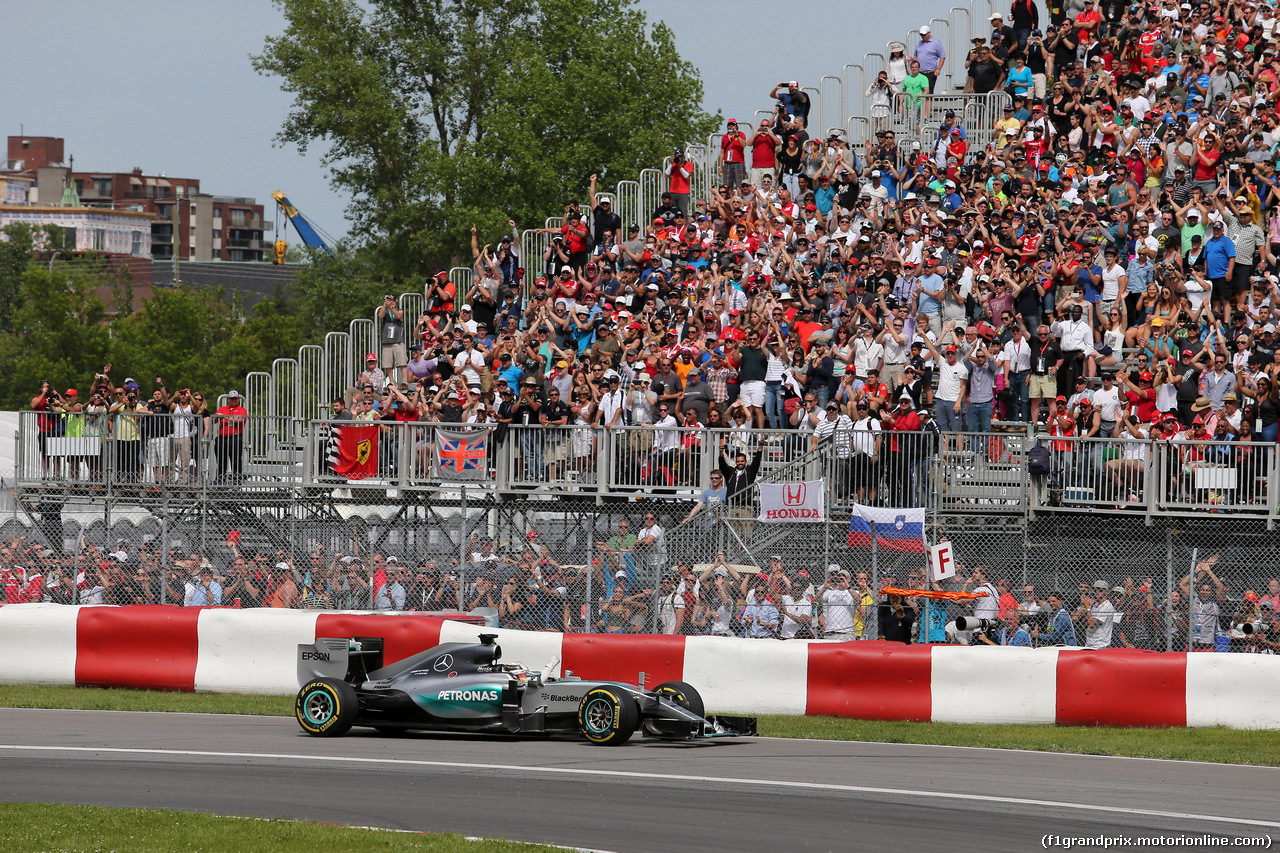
[[742, 795]]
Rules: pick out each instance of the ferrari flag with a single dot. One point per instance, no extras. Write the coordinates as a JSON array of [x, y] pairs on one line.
[[895, 529], [355, 450]]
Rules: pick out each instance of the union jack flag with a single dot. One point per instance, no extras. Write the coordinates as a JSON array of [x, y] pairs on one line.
[[462, 455]]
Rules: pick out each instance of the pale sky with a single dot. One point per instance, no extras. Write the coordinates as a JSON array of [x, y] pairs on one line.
[[167, 86]]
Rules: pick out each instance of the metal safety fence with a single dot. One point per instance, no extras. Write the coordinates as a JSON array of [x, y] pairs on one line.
[[953, 472], [567, 564]]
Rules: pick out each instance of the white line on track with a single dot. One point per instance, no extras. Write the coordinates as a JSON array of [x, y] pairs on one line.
[[672, 777], [1002, 749]]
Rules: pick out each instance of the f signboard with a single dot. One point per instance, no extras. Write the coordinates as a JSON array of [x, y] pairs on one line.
[[942, 564]]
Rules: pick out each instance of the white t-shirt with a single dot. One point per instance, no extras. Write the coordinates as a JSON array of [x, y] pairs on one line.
[[801, 604], [1099, 636], [469, 365], [837, 610], [949, 378], [1111, 282], [1107, 403], [669, 610]]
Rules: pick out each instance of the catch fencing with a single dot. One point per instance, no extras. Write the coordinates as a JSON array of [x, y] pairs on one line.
[[547, 562]]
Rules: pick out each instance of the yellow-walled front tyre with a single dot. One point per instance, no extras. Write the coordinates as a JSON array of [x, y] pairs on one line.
[[326, 707], [607, 716], [683, 694]]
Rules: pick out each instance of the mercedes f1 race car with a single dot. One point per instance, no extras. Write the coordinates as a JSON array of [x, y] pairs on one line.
[[463, 687]]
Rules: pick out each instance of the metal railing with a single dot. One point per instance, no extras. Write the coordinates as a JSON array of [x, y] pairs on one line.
[[104, 452], [977, 112], [961, 472]]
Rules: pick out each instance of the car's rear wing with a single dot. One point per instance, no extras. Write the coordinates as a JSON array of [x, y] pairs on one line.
[[343, 658]]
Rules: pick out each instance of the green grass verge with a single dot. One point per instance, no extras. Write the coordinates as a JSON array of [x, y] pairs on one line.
[[1228, 746], [1222, 745], [119, 699], [42, 827]]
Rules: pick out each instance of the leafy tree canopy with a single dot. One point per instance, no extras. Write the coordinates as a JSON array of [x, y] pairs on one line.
[[436, 115]]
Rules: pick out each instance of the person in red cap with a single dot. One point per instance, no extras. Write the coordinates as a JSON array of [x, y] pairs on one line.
[[229, 423], [440, 295], [1141, 396]]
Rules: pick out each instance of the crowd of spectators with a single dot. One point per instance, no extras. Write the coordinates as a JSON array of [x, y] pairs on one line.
[[1104, 266], [632, 585], [145, 439]]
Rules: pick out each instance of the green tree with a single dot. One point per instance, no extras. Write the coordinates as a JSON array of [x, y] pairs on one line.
[[59, 333], [190, 336], [437, 115], [15, 256]]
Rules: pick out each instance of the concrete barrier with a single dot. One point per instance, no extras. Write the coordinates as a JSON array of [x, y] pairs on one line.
[[254, 651]]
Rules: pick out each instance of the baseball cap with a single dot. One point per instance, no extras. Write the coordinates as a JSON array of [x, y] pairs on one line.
[[233, 395], [371, 357]]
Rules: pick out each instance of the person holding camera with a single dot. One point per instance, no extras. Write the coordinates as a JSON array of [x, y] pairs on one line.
[[391, 319], [47, 402], [129, 412], [881, 94], [440, 296], [680, 172]]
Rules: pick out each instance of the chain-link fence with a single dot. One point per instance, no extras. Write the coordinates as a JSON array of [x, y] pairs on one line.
[[622, 565]]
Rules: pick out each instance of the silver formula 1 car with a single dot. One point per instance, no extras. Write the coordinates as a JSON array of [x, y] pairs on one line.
[[464, 687]]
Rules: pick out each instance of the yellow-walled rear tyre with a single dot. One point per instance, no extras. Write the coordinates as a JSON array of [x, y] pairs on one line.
[[607, 716], [326, 707]]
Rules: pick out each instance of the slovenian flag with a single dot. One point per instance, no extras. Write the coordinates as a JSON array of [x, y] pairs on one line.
[[895, 529]]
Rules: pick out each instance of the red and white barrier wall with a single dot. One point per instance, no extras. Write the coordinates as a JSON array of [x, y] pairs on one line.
[[254, 651]]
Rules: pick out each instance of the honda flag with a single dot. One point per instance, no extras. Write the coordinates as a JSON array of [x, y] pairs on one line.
[[895, 529], [355, 450], [793, 501]]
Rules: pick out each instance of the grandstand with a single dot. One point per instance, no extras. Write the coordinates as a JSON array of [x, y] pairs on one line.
[[1086, 348]]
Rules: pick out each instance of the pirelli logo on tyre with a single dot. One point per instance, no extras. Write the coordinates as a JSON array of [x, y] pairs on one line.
[[601, 713]]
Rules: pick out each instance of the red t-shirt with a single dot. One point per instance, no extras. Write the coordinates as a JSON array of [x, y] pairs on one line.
[[231, 419], [575, 237], [732, 147], [1145, 401], [680, 177], [45, 422], [1085, 18], [763, 154], [1061, 425], [1207, 171], [805, 330]]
